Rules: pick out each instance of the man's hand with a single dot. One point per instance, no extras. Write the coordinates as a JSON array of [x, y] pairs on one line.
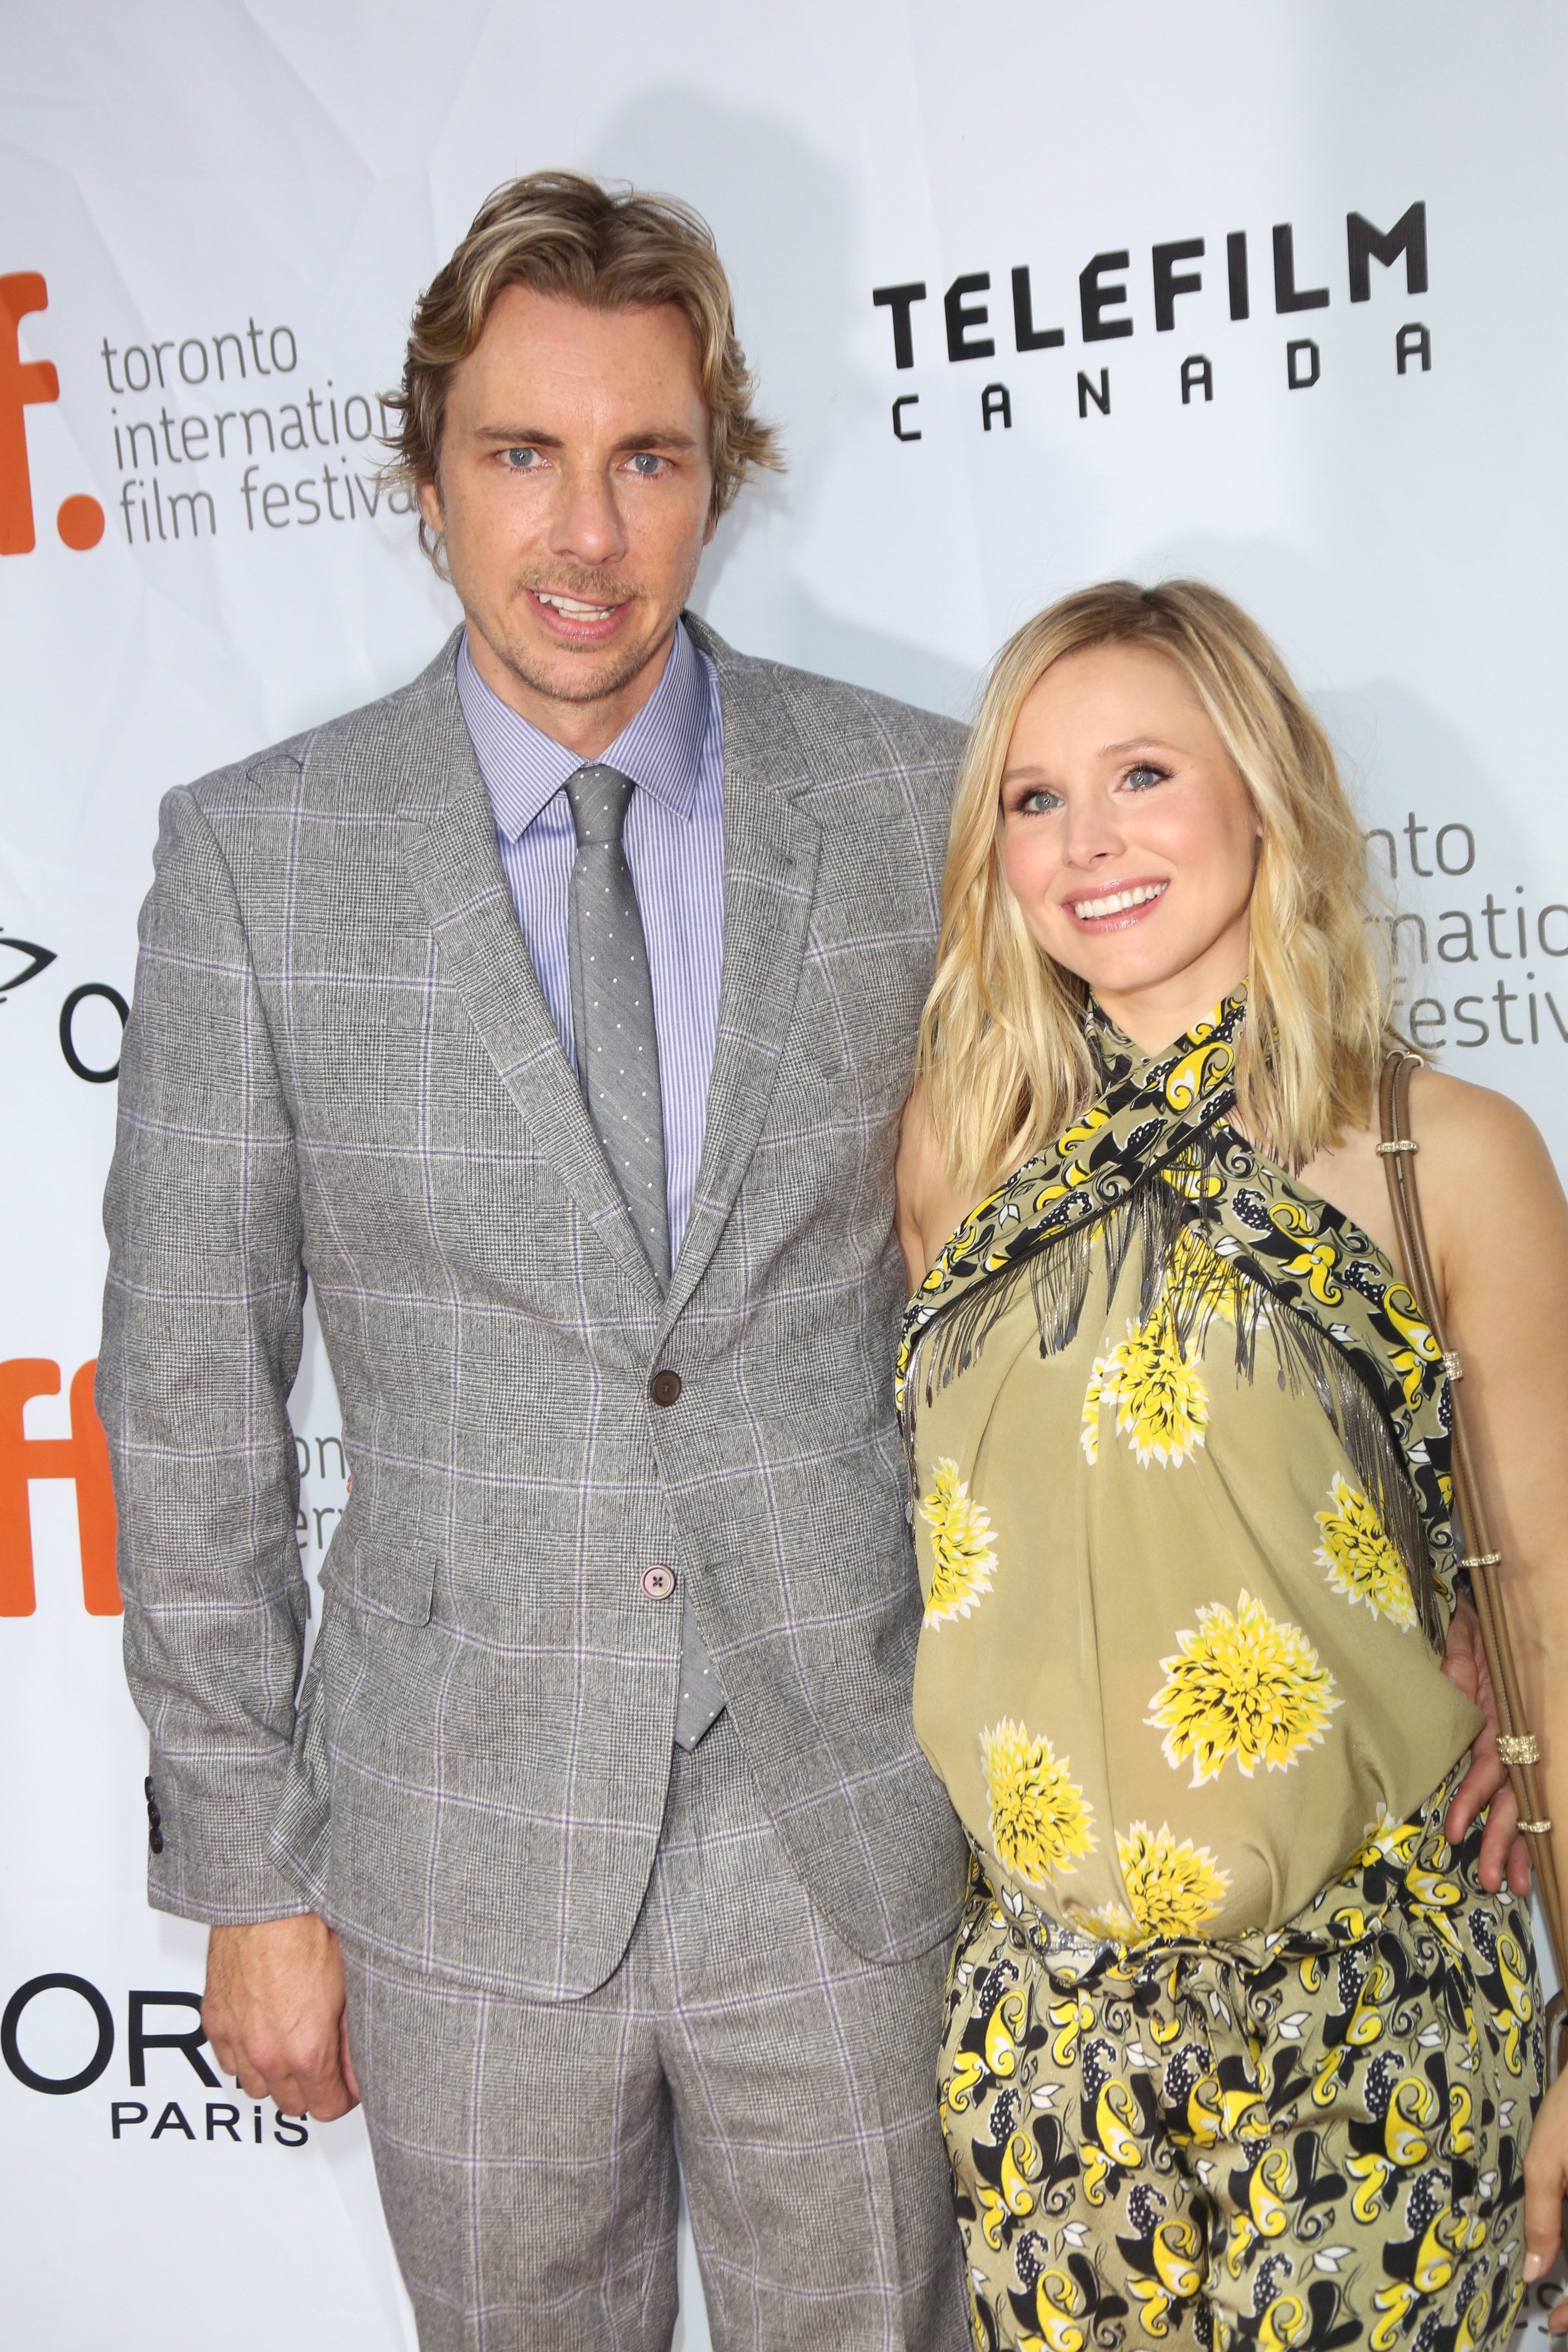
[[1487, 1781], [274, 2015]]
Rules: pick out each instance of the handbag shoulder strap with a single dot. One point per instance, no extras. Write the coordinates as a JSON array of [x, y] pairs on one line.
[[1517, 1744]]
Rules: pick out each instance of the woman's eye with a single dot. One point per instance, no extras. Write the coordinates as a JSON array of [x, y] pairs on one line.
[[1138, 779], [1039, 804]]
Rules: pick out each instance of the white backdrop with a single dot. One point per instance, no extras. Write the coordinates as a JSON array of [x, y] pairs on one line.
[[230, 207]]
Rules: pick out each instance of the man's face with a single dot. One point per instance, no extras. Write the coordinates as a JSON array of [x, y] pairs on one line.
[[573, 491]]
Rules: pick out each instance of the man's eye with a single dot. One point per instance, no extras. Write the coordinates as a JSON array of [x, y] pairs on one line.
[[522, 461], [647, 464]]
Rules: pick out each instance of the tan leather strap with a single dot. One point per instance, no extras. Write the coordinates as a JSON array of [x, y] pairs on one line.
[[1517, 1744]]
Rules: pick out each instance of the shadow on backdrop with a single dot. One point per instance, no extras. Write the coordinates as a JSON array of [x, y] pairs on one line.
[[786, 226]]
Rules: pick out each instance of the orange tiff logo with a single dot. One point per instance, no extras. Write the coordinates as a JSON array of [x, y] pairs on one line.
[[23, 384], [84, 1456]]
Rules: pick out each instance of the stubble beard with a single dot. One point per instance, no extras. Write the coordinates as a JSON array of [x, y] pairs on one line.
[[591, 673], [614, 667]]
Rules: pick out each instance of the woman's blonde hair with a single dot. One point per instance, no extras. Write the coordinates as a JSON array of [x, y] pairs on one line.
[[1002, 1052], [610, 250]]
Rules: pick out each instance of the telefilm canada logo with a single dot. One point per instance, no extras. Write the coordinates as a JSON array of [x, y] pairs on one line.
[[164, 2021], [1109, 310]]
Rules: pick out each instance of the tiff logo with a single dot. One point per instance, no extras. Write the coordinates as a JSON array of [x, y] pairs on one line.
[[22, 385], [82, 1457]]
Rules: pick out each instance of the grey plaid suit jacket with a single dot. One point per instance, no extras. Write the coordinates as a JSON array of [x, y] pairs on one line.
[[340, 1068]]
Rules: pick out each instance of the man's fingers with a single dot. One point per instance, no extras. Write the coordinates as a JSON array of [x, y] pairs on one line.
[[273, 2012], [302, 2077], [346, 2063], [330, 2100], [223, 2050]]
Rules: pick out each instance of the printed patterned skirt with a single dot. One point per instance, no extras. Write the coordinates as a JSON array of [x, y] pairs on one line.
[[1313, 2138]]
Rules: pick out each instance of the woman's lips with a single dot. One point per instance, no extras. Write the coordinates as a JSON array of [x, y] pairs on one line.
[[1119, 907]]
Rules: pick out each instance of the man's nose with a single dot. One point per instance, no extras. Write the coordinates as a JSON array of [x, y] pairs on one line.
[[587, 524]]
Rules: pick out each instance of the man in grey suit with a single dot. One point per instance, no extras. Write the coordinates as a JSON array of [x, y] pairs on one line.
[[551, 1018]]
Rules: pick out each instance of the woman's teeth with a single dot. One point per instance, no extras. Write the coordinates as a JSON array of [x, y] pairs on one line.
[[1089, 910]]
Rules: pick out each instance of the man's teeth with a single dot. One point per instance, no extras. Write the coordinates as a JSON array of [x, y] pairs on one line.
[[1089, 910], [571, 607]]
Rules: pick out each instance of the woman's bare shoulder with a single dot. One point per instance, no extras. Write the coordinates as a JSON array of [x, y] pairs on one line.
[[1460, 1119], [1482, 1153]]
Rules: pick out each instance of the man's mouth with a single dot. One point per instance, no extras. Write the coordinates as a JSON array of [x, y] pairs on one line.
[[581, 621], [574, 607], [1116, 902]]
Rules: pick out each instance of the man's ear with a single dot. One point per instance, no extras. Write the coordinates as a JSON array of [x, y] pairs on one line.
[[430, 506]]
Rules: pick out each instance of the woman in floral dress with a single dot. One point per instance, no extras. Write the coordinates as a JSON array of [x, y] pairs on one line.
[[1240, 2048]]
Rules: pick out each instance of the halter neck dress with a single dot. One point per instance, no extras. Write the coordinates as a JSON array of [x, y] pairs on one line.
[[1179, 1442]]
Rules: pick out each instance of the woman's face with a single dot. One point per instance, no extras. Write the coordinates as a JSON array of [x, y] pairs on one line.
[[1129, 839]]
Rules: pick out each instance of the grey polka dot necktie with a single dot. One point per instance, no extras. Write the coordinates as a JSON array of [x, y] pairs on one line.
[[612, 1006], [618, 1063]]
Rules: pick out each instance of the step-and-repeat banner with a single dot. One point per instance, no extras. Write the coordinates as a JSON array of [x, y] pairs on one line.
[[1038, 293]]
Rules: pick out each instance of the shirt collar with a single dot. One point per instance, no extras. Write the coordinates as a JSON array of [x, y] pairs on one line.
[[660, 751]]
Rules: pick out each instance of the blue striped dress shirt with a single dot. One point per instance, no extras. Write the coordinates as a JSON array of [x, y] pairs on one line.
[[673, 751]]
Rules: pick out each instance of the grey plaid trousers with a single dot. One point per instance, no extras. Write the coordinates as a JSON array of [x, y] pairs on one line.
[[524, 2150]]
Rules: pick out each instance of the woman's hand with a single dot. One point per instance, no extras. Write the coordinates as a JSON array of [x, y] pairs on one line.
[[1487, 1781], [1545, 2186]]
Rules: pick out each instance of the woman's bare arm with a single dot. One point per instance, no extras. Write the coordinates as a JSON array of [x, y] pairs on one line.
[[930, 1209], [1355, 1179], [1499, 1227], [1498, 1223]]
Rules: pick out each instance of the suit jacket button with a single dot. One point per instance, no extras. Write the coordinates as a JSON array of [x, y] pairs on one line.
[[155, 1839], [659, 1583], [665, 1387]]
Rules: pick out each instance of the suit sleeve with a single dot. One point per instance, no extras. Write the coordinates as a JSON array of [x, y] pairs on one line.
[[201, 1335]]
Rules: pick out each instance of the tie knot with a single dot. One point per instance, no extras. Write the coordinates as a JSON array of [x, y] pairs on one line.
[[598, 796]]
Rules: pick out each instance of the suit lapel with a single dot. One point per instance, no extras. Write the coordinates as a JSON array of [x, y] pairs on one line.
[[452, 864], [770, 851]]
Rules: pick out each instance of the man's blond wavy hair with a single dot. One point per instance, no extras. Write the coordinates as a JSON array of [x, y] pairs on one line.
[[610, 250], [1002, 1054]]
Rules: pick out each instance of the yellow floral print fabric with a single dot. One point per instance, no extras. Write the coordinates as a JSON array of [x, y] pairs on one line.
[[1172, 1665], [1241, 1684], [1162, 1616], [1361, 1561], [1238, 2051], [1039, 1824], [962, 1556]]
